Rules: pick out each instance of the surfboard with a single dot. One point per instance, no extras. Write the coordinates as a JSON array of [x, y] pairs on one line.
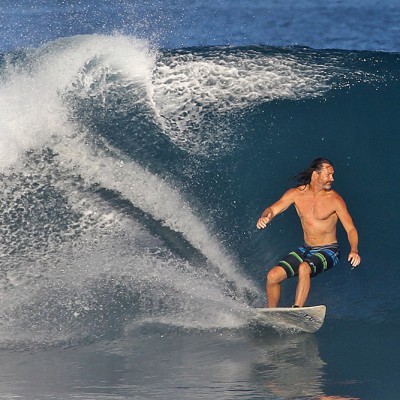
[[302, 319]]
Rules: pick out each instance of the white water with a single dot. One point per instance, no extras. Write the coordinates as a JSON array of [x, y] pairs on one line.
[[68, 254]]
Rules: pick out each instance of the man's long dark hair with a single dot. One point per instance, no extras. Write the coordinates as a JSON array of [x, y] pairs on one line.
[[304, 177]]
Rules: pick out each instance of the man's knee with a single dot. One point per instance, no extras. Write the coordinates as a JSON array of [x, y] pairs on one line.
[[275, 275], [304, 269]]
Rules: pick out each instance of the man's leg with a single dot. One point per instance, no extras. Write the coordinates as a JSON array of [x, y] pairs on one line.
[[274, 278], [303, 286]]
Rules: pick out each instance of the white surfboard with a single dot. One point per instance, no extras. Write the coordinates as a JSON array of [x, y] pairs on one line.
[[301, 319]]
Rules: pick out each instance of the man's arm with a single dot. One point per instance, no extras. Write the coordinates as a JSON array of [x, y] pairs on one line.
[[272, 211], [351, 231]]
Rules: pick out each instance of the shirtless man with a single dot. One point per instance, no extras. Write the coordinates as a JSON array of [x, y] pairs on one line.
[[319, 208]]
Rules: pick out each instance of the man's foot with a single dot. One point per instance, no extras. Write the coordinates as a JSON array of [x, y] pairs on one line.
[[295, 306]]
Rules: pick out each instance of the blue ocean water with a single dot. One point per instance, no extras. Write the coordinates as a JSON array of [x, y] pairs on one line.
[[139, 143]]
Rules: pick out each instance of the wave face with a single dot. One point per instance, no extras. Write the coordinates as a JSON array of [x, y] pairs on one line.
[[132, 179]]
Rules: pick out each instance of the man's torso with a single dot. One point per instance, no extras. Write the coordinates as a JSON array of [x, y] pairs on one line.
[[317, 214]]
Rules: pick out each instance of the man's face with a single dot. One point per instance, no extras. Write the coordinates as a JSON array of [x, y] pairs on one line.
[[325, 177]]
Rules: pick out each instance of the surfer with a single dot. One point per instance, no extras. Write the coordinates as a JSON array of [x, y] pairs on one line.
[[319, 208]]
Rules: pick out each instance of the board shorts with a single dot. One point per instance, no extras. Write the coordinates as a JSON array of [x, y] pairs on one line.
[[319, 258]]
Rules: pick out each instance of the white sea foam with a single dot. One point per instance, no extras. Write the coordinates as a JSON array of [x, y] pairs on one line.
[[57, 279], [188, 87], [31, 98]]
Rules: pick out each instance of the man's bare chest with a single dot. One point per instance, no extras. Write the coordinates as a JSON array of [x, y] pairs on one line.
[[315, 209]]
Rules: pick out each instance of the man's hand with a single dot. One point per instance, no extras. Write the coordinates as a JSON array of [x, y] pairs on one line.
[[354, 259], [263, 221]]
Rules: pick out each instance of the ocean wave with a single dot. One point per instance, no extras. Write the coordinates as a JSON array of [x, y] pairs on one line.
[[132, 178]]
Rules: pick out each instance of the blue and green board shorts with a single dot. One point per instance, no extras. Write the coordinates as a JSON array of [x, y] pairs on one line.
[[319, 258]]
